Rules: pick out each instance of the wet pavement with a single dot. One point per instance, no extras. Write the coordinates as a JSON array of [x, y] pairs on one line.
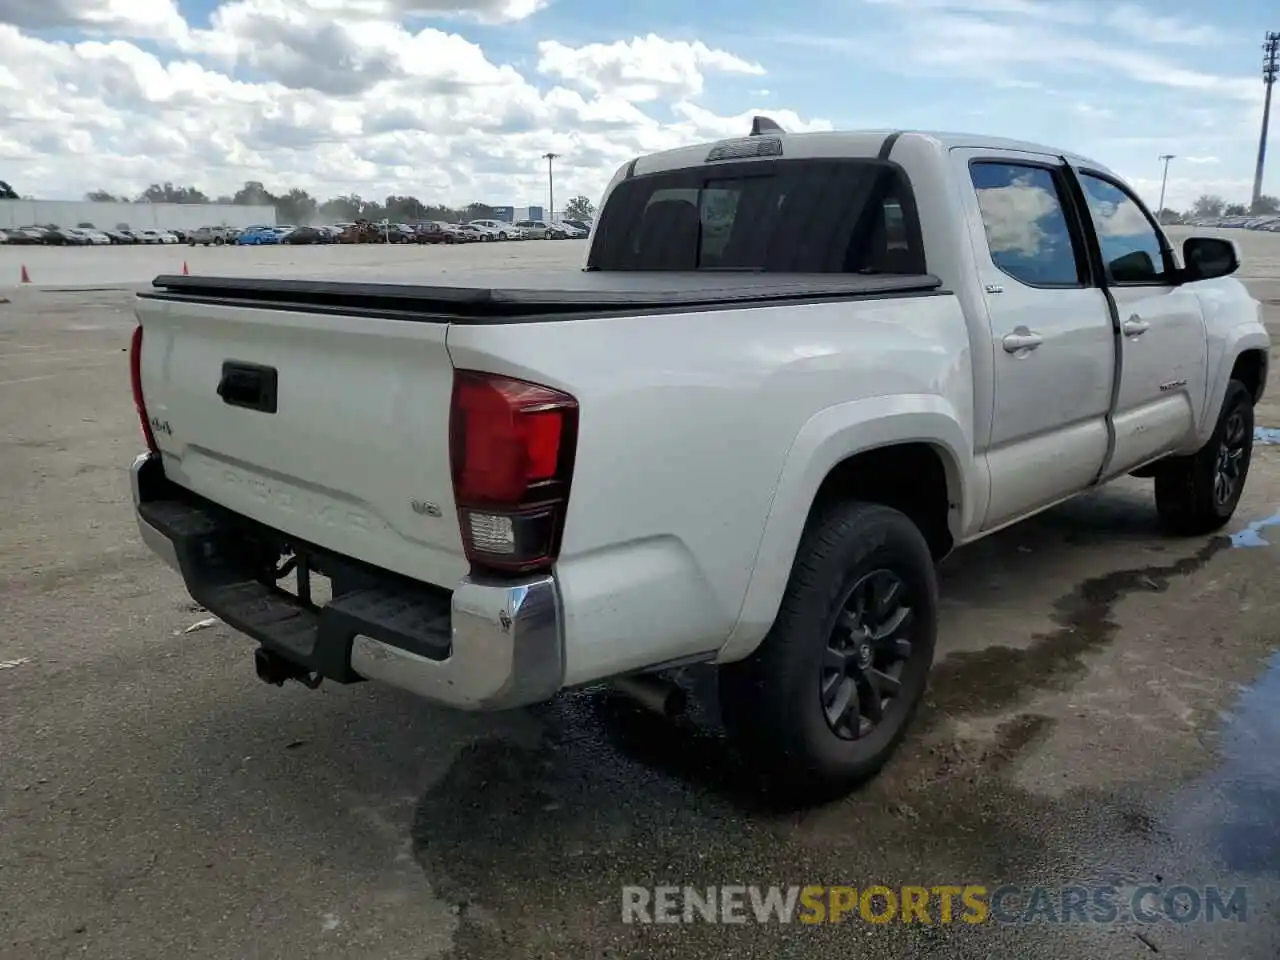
[[1103, 716]]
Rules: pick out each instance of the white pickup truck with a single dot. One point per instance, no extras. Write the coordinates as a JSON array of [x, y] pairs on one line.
[[795, 372]]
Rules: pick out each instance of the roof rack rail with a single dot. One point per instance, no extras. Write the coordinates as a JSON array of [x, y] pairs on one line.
[[760, 125]]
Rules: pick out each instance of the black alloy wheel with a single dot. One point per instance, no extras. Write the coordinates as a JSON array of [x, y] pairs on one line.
[[868, 649], [1229, 471]]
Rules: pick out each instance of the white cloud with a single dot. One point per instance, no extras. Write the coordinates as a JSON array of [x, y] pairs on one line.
[[1012, 216], [1045, 10], [1091, 112], [337, 96], [982, 49], [1144, 25], [724, 127], [645, 68], [147, 19]]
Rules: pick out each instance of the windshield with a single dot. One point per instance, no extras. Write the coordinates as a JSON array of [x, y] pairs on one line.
[[778, 216]]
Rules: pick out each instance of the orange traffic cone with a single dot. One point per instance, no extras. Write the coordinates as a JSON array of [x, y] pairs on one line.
[[185, 271], [26, 277]]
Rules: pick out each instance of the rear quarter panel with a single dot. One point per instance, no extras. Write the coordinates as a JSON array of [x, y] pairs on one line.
[[688, 423]]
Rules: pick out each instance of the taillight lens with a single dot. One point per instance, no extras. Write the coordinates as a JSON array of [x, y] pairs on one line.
[[135, 377], [511, 450]]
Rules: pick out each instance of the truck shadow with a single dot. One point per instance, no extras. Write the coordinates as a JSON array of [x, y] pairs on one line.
[[1032, 571], [1044, 571], [615, 795]]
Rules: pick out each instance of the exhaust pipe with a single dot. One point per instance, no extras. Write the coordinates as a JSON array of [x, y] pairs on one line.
[[657, 694], [275, 669]]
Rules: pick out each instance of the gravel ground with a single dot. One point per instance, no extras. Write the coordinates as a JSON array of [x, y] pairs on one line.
[[1103, 713]]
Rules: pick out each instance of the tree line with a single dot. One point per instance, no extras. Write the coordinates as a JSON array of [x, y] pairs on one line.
[[299, 207], [1211, 205]]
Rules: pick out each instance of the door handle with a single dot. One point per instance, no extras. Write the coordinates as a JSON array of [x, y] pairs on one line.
[[1135, 326], [1021, 339]]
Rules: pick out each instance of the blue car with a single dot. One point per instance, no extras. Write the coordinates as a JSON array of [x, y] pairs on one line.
[[257, 236]]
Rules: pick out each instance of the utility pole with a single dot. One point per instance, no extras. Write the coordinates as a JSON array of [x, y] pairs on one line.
[[1270, 68], [551, 185], [1164, 179]]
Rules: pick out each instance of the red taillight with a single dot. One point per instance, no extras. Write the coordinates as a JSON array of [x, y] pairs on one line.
[[511, 447], [135, 376]]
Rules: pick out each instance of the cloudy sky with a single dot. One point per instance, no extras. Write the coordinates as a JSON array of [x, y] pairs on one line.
[[455, 100]]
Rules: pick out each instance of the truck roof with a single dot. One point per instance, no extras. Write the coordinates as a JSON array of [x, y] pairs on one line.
[[856, 143]]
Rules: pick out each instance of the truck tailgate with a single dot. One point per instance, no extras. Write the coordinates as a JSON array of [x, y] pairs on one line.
[[353, 455]]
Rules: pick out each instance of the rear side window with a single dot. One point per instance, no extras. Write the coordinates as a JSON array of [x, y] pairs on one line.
[[1024, 211], [774, 216]]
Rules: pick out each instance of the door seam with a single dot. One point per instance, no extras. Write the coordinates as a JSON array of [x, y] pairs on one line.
[[1094, 252]]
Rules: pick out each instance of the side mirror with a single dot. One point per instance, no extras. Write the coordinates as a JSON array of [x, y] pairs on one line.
[[1208, 258]]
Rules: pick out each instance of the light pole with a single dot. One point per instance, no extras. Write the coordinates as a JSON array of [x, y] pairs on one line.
[[1164, 179], [551, 185], [1270, 70]]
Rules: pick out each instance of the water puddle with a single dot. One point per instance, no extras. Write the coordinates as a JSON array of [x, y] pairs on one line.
[[1234, 810], [1266, 436], [1251, 535]]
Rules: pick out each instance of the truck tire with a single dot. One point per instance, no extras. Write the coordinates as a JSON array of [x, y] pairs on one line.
[[1198, 494], [854, 636]]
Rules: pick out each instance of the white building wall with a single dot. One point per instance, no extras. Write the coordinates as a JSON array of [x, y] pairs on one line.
[[140, 216]]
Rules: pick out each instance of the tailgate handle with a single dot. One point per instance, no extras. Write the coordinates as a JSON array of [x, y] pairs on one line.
[[248, 385]]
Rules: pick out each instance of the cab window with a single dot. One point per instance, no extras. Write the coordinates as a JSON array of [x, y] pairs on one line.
[[1025, 214], [1131, 248]]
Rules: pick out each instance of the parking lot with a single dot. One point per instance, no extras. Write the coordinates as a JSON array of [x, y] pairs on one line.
[[1104, 711], [105, 266]]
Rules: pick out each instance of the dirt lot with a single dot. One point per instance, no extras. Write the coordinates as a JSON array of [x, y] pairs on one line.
[[1104, 713]]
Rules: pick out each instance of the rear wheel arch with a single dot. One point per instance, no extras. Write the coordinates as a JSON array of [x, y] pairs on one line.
[[918, 479], [924, 479]]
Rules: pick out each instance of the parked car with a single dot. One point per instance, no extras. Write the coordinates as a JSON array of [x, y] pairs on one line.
[[212, 236], [399, 233], [362, 231], [541, 230], [307, 236], [499, 230], [433, 231], [571, 231], [471, 232], [23, 236], [119, 236], [153, 236], [582, 225], [94, 236], [76, 237], [50, 236], [258, 236], [536, 229], [965, 379]]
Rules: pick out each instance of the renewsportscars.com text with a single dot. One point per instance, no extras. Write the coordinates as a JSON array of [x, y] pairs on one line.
[[942, 904]]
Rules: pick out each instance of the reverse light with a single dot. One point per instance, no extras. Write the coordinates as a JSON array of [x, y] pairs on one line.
[[135, 377], [511, 446]]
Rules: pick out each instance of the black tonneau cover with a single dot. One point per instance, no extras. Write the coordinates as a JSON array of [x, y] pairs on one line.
[[558, 295]]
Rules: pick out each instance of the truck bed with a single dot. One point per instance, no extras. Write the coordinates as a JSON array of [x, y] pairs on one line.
[[559, 295]]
